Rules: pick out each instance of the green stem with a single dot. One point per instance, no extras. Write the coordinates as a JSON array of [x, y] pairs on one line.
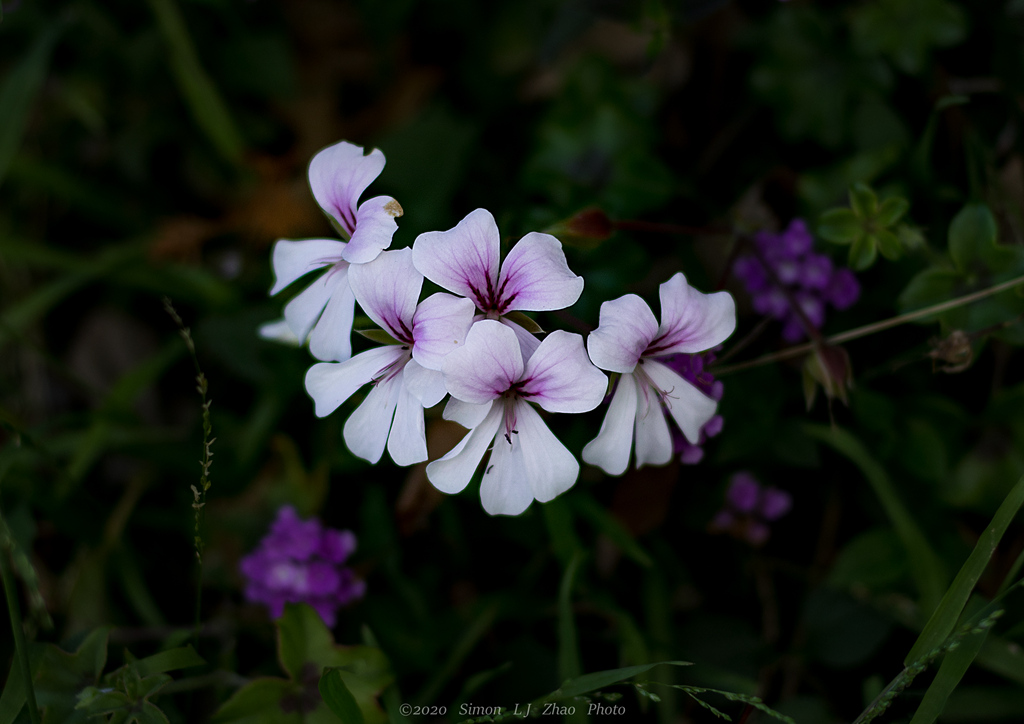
[[867, 329], [19, 634]]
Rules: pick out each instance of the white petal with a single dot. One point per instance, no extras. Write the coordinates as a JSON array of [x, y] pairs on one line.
[[331, 383], [407, 443], [305, 308], [528, 342], [692, 321], [464, 259], [610, 449], [440, 325], [366, 430], [375, 227], [486, 366], [504, 489], [560, 378], [338, 175], [465, 413], [387, 289], [278, 331], [550, 468], [292, 259], [653, 439], [689, 407], [453, 472], [627, 325], [536, 277], [425, 385], [331, 338]]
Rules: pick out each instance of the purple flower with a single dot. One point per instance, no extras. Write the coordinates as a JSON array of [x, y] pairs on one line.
[[692, 369], [630, 341], [299, 561], [809, 277], [749, 507]]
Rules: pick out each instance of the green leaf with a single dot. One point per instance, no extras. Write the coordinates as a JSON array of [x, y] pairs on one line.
[[889, 244], [863, 252], [568, 652], [379, 336], [931, 286], [205, 103], [527, 323], [944, 618], [13, 698], [18, 94], [926, 568], [971, 233], [863, 201], [954, 666], [891, 211], [171, 660], [600, 679], [338, 698], [840, 226], [258, 702], [874, 560]]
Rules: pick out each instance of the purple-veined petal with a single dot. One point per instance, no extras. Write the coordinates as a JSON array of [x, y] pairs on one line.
[[627, 326], [560, 378], [610, 449], [331, 383], [486, 365], [338, 175], [292, 259], [464, 259], [535, 276], [653, 439], [504, 489], [466, 414], [375, 227], [452, 473], [366, 430], [278, 331], [528, 343], [550, 468], [303, 311], [387, 289], [331, 338], [440, 325], [407, 443], [425, 385], [689, 407], [690, 320]]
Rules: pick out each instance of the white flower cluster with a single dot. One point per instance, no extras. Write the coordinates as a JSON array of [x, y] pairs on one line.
[[468, 345]]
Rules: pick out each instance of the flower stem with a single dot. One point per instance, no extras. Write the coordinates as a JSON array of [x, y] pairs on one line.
[[867, 329], [16, 628]]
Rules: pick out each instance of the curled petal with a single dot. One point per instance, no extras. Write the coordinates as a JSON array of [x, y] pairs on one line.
[[366, 430], [610, 449], [278, 331], [550, 468], [292, 259], [425, 385], [627, 326], [331, 383], [303, 312], [464, 259], [560, 378], [692, 321], [689, 407], [331, 338], [338, 175], [407, 443], [387, 289], [440, 326], [486, 366], [465, 413], [536, 277], [452, 473], [375, 227], [653, 439]]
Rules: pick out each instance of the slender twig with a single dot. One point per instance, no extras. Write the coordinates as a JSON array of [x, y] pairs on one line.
[[657, 228], [748, 339], [867, 329], [20, 644]]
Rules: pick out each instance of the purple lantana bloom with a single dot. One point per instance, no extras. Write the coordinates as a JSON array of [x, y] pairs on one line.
[[323, 312], [300, 561], [630, 341], [405, 375], [749, 508], [492, 386], [466, 260]]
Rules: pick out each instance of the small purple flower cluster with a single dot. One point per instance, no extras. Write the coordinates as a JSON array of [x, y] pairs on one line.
[[749, 508], [300, 561], [692, 368], [811, 278]]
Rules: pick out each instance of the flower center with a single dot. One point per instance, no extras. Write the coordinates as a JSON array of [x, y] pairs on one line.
[[647, 386], [389, 372]]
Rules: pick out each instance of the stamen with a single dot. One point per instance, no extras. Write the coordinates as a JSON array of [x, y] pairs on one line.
[[389, 372]]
